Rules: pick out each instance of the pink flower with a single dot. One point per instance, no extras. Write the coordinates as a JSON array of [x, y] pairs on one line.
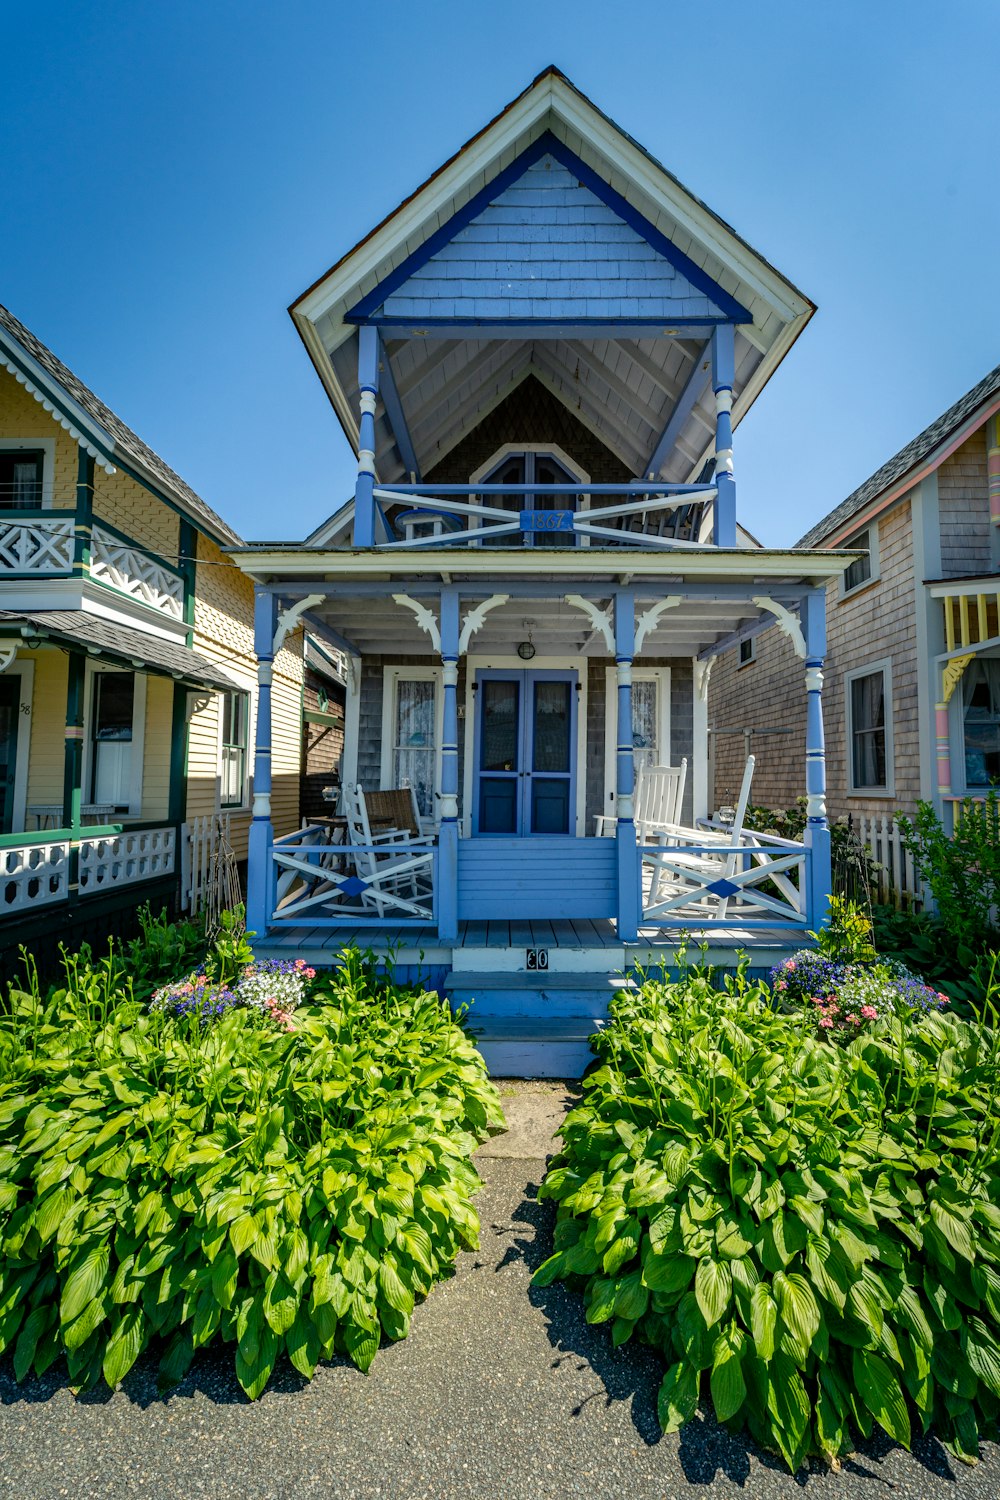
[[789, 964], [943, 999], [854, 1020], [826, 1023], [833, 1008], [780, 984], [869, 1012]]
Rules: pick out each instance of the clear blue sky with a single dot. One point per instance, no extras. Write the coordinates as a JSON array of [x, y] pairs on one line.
[[175, 174]]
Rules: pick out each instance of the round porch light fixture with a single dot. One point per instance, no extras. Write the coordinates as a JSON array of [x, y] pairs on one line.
[[525, 650]]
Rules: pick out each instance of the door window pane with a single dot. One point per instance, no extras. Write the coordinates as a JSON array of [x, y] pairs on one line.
[[551, 726], [500, 726], [868, 731], [981, 695], [415, 751], [645, 750], [114, 697]]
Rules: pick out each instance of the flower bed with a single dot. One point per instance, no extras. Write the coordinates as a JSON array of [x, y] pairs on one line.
[[849, 997], [198, 1171], [271, 987], [809, 1232]]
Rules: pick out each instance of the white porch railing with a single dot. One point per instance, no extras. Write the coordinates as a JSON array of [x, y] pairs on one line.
[[37, 546], [118, 562], [757, 880], [117, 859], [317, 882], [33, 875], [200, 840], [667, 516]]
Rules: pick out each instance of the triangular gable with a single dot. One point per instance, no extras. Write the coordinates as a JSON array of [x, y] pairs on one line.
[[548, 240]]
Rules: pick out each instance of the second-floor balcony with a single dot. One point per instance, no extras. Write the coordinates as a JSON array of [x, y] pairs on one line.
[[43, 545], [636, 514]]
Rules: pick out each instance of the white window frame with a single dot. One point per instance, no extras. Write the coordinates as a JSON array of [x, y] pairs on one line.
[[136, 775], [750, 641], [883, 665], [874, 561], [391, 678], [25, 670], [244, 803], [659, 675], [47, 445]]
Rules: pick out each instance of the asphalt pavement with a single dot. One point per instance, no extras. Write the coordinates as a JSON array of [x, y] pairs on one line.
[[500, 1392]]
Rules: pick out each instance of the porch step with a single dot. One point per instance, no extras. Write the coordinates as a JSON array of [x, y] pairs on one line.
[[533, 1047], [532, 995]]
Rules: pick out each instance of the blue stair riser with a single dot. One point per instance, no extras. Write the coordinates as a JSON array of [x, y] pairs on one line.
[[532, 1059], [517, 996]]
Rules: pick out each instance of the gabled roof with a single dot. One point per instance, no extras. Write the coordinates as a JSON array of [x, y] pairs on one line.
[[646, 394], [103, 434], [929, 447]]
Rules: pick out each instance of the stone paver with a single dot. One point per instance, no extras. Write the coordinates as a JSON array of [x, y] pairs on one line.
[[500, 1393]]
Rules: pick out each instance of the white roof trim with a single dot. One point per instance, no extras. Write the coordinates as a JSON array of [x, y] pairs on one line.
[[83, 429]]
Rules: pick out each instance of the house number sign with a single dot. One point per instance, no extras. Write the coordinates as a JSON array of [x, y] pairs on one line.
[[546, 520], [538, 958]]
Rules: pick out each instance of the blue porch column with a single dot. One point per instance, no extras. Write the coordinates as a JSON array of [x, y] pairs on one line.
[[260, 873], [723, 374], [364, 500], [629, 863], [817, 828], [447, 869]]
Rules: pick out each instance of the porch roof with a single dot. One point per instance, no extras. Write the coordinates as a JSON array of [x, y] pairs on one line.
[[118, 643], [694, 602], [470, 302]]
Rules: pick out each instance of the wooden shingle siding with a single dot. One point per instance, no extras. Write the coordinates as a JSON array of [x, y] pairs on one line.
[[530, 414], [965, 510], [871, 625], [681, 726], [548, 246]]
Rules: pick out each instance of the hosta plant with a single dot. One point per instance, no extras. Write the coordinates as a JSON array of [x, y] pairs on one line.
[[809, 1232], [169, 1184]]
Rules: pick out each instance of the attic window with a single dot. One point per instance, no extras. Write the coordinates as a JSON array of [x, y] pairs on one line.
[[863, 569]]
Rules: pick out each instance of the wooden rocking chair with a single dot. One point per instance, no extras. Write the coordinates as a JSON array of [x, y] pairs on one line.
[[677, 839], [394, 869]]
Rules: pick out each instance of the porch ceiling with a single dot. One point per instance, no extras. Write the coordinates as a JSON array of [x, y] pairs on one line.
[[555, 628]]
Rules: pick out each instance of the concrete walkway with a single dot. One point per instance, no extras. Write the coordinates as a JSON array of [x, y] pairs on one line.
[[499, 1393]]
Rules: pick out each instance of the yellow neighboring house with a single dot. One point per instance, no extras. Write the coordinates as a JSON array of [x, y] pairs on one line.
[[128, 680]]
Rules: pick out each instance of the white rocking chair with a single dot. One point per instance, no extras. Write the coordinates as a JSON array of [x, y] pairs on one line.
[[395, 870], [658, 799], [700, 864]]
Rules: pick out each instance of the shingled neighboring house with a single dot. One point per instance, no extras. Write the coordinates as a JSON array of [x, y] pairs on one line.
[[913, 665], [128, 680]]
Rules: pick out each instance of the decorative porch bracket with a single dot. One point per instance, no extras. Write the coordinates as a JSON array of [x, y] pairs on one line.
[[650, 618], [289, 618], [424, 617], [599, 618], [786, 621], [476, 619]]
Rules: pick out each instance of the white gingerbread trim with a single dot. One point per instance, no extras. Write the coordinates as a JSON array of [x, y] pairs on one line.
[[476, 618], [787, 622], [648, 621], [599, 618], [424, 617]]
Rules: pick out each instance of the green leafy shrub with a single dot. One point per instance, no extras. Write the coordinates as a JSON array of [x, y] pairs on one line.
[[168, 1184], [962, 869], [162, 950], [928, 947], [812, 1229]]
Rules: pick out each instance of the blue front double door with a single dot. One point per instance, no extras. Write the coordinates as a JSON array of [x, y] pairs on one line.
[[525, 753]]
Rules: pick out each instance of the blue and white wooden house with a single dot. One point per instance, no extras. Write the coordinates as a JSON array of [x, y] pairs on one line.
[[539, 360]]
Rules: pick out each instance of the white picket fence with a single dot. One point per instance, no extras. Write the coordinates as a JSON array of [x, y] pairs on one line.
[[897, 881], [200, 840]]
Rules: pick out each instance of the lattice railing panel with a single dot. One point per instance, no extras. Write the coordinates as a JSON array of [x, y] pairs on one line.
[[33, 875], [122, 566], [123, 858], [42, 546]]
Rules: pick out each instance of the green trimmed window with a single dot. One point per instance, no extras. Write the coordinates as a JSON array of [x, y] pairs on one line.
[[235, 744], [21, 474]]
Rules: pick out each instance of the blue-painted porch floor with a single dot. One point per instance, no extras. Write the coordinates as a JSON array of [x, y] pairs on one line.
[[580, 944]]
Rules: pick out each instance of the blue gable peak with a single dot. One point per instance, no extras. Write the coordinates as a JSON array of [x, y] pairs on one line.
[[548, 240]]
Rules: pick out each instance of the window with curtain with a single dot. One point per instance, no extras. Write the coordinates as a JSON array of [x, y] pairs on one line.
[[111, 745], [414, 751], [235, 741], [981, 722], [861, 569], [21, 471], [867, 732], [645, 750]]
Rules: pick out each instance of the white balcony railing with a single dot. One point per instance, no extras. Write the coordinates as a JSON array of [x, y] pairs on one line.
[[748, 880], [40, 545], [117, 859]]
